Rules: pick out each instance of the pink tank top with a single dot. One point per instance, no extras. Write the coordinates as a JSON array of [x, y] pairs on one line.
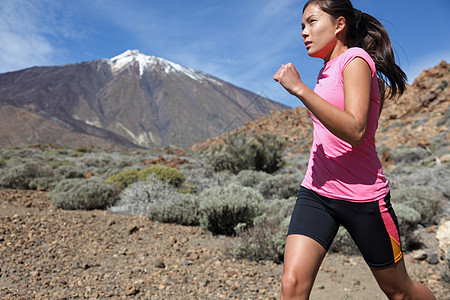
[[336, 169]]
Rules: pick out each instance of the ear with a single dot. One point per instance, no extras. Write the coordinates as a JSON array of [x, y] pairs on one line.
[[341, 24]]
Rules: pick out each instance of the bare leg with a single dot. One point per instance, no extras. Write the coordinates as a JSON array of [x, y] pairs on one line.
[[396, 283], [302, 259]]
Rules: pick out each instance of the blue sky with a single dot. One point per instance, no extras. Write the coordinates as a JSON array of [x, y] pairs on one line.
[[243, 42]]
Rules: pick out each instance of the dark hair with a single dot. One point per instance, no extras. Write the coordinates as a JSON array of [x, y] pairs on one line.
[[368, 33]]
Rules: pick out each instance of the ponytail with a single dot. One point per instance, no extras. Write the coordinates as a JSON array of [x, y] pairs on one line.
[[368, 33]]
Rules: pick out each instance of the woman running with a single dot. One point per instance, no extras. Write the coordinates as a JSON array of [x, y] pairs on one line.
[[344, 184]]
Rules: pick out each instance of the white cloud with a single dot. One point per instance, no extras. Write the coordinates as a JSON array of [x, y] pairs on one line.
[[28, 31]]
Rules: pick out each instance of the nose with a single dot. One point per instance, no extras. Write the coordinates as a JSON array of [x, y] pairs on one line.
[[305, 33]]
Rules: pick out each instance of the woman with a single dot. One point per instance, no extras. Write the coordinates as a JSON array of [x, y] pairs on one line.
[[344, 183]]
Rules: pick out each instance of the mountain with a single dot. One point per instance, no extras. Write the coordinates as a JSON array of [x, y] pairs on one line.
[[131, 100], [419, 118]]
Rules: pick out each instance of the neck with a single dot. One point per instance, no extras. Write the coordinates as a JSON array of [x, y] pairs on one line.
[[339, 49]]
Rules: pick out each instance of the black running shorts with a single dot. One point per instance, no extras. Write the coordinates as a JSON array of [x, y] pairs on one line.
[[372, 225]]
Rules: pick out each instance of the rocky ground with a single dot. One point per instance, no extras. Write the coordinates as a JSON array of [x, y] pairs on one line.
[[47, 253]]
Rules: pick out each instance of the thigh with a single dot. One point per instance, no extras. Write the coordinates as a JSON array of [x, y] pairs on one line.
[[392, 278], [313, 217], [302, 259]]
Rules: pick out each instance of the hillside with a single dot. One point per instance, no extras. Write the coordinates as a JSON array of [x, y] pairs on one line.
[[131, 100], [419, 118]]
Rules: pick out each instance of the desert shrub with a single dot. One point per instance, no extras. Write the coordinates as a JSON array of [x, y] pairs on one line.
[[124, 178], [58, 163], [3, 162], [266, 239], [68, 171], [84, 194], [241, 152], [280, 186], [43, 183], [402, 170], [223, 208], [180, 209], [141, 197], [409, 155], [100, 163], [251, 178], [408, 219], [425, 200], [171, 175], [187, 189], [343, 243], [20, 177], [84, 149], [203, 177], [436, 177]]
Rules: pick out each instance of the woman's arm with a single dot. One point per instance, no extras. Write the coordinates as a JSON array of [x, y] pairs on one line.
[[349, 124]]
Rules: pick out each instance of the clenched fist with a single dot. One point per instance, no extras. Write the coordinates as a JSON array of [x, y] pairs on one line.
[[289, 78]]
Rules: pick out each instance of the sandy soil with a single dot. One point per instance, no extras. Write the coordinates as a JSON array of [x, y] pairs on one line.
[[47, 253]]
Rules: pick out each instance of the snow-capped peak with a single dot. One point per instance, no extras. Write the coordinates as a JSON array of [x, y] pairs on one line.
[[145, 61]]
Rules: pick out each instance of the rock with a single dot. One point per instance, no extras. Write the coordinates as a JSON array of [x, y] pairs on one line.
[[132, 290], [433, 259], [445, 158], [320, 287], [420, 255], [443, 236], [159, 263], [132, 229]]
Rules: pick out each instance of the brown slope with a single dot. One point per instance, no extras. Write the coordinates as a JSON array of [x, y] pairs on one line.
[[34, 129], [419, 115]]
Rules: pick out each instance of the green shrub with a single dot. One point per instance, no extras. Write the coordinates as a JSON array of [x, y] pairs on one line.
[[343, 243], [43, 183], [425, 200], [20, 177], [68, 171], [3, 162], [141, 197], [84, 149], [409, 155], [58, 163], [124, 178], [408, 219], [84, 194], [266, 240], [241, 152], [181, 209], [202, 177], [251, 178], [224, 208], [187, 189], [171, 175], [280, 186]]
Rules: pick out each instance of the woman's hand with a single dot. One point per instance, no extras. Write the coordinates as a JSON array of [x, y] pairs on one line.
[[289, 78]]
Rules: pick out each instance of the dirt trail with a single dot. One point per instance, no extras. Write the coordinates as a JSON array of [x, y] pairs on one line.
[[47, 253]]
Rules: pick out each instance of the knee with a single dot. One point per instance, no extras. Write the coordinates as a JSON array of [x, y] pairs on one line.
[[395, 293], [292, 287]]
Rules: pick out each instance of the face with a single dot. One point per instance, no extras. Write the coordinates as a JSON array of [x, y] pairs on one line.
[[318, 32]]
